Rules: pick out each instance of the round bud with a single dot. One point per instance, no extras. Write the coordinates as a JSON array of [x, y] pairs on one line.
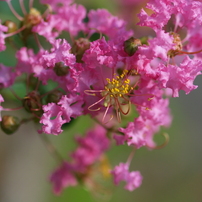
[[9, 124], [32, 102], [54, 96], [32, 18], [12, 27], [60, 69], [131, 45], [79, 47]]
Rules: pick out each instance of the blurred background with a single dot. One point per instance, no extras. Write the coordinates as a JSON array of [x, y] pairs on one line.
[[171, 174]]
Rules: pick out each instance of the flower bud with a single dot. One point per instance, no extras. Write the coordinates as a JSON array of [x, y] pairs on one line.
[[32, 102], [9, 124], [54, 96], [60, 69], [131, 45], [32, 18], [79, 47], [12, 27]]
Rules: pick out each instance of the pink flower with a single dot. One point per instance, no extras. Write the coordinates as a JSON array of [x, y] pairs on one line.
[[71, 106], [48, 28], [102, 21], [2, 36], [55, 115], [133, 179], [161, 44], [7, 76], [90, 148], [100, 53], [187, 13], [60, 52], [182, 77], [135, 133], [1, 108], [63, 177], [50, 125], [72, 19]]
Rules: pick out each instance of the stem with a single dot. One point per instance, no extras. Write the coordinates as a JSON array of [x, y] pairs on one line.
[[15, 94], [23, 7], [16, 32], [12, 109], [30, 4], [14, 12], [26, 120], [37, 41], [162, 145], [184, 52], [131, 156], [51, 148], [37, 85], [47, 11]]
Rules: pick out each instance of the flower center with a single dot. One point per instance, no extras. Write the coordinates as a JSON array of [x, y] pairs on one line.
[[116, 90]]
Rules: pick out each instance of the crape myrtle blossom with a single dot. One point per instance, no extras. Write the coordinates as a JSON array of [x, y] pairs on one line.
[[187, 13], [103, 21], [68, 17], [133, 179], [7, 77], [182, 77], [64, 110], [89, 151], [3, 29], [107, 78]]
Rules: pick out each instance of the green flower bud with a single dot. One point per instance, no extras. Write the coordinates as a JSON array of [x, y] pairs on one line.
[[12, 27], [131, 46], [32, 18], [32, 102], [60, 69], [54, 96], [79, 47], [9, 124]]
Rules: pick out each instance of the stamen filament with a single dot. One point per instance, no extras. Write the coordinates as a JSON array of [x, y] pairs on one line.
[[14, 12], [23, 7], [89, 108]]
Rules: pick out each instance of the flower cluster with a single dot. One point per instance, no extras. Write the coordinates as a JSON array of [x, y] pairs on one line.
[[100, 69]]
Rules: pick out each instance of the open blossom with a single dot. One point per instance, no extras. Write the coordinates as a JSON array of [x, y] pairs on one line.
[[186, 11], [63, 177], [133, 179], [2, 36], [102, 21], [89, 151], [7, 77], [47, 28], [181, 78], [69, 16], [63, 111], [59, 52]]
